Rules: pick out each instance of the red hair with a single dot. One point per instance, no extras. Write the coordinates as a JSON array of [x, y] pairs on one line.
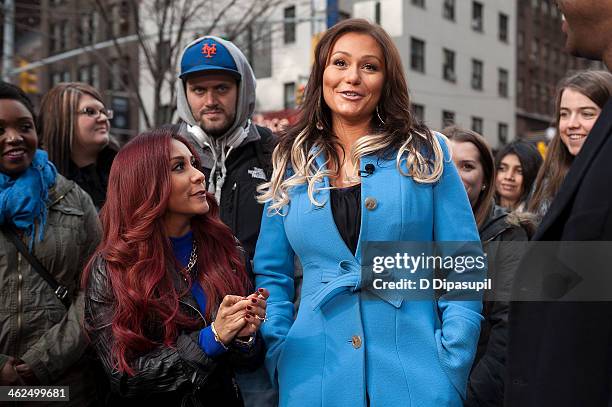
[[139, 256]]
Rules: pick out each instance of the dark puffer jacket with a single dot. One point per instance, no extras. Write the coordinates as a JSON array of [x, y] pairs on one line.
[[34, 325], [182, 375], [486, 383]]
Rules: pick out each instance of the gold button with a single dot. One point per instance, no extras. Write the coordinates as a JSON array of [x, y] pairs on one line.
[[356, 341], [371, 203]]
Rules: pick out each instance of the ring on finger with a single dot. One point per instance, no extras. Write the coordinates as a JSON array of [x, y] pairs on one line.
[[262, 319]]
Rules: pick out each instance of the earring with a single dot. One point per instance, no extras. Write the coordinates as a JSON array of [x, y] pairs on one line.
[[319, 126], [378, 115], [483, 187]]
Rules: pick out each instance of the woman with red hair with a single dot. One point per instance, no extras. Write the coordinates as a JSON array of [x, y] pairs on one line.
[[166, 306]]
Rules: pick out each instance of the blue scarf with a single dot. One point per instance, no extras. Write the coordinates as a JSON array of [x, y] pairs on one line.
[[23, 201]]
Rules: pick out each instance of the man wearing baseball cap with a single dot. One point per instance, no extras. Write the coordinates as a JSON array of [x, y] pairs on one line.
[[215, 101]]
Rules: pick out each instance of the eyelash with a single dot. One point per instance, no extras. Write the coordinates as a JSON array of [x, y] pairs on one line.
[[342, 63]]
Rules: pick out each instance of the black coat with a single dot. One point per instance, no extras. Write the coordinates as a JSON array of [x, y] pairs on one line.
[[486, 382], [560, 353], [181, 375]]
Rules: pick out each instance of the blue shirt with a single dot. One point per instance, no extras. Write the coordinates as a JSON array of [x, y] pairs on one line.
[[182, 247]]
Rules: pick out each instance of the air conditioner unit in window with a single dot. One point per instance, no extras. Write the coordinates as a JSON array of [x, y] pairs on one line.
[[449, 74], [476, 83], [477, 24]]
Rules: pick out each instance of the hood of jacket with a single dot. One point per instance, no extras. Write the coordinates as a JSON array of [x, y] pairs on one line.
[[245, 104], [500, 220], [242, 131]]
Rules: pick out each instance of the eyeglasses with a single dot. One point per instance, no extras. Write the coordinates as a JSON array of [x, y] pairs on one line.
[[95, 113]]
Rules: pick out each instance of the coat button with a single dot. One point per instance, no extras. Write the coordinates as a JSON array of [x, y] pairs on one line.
[[356, 341], [371, 203]]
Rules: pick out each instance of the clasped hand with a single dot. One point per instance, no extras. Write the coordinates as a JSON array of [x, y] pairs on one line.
[[240, 317]]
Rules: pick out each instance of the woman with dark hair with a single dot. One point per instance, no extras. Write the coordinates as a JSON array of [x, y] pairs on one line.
[[166, 307], [48, 229], [358, 167], [517, 167], [497, 228], [74, 127], [580, 98]]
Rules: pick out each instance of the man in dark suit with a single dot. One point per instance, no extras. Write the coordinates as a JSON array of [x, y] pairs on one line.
[[560, 353]]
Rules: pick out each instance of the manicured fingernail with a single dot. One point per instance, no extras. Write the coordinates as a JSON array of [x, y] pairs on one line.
[[248, 316], [253, 300], [249, 307], [261, 290]]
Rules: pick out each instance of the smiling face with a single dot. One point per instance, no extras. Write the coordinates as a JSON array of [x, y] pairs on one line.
[[509, 180], [18, 140], [212, 98], [467, 160], [353, 78], [91, 132], [187, 194], [577, 115]]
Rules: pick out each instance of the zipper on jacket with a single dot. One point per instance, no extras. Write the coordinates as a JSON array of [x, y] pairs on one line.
[[235, 208], [197, 310], [19, 298]]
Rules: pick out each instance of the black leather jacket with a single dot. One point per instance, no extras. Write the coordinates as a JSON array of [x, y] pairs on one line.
[[170, 376]]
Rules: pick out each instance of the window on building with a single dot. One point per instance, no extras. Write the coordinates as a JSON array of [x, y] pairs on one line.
[[448, 67], [56, 33], [56, 77], [477, 16], [502, 84], [417, 54], [120, 19], [289, 25], [477, 72], [65, 36], [418, 111], [86, 29], [289, 95], [84, 74], [95, 76], [520, 88], [502, 133], [419, 3], [448, 118], [448, 10], [477, 124], [535, 49], [503, 27], [377, 12]]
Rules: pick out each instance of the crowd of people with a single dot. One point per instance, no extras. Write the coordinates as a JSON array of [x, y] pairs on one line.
[[211, 262]]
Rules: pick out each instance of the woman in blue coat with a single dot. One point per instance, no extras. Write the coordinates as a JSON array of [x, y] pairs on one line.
[[359, 167]]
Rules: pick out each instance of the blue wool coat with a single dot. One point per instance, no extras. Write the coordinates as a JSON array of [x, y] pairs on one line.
[[345, 341]]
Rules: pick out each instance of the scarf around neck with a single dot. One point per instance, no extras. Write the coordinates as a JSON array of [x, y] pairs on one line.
[[23, 200]]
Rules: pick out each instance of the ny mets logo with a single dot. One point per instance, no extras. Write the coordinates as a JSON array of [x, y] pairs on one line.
[[209, 50]]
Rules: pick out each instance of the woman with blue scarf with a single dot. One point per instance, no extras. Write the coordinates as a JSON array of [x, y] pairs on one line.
[[41, 336]]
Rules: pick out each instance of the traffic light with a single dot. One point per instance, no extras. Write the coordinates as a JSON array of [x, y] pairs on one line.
[[28, 80], [299, 95], [542, 148]]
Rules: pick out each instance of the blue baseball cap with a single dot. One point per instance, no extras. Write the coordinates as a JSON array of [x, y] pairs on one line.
[[208, 54]]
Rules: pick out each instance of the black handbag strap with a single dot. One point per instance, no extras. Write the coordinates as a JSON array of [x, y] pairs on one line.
[[61, 291]]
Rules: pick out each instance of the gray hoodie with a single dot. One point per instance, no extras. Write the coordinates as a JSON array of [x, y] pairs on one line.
[[214, 151]]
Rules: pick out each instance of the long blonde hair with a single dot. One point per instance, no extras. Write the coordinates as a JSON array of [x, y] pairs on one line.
[[419, 153]]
